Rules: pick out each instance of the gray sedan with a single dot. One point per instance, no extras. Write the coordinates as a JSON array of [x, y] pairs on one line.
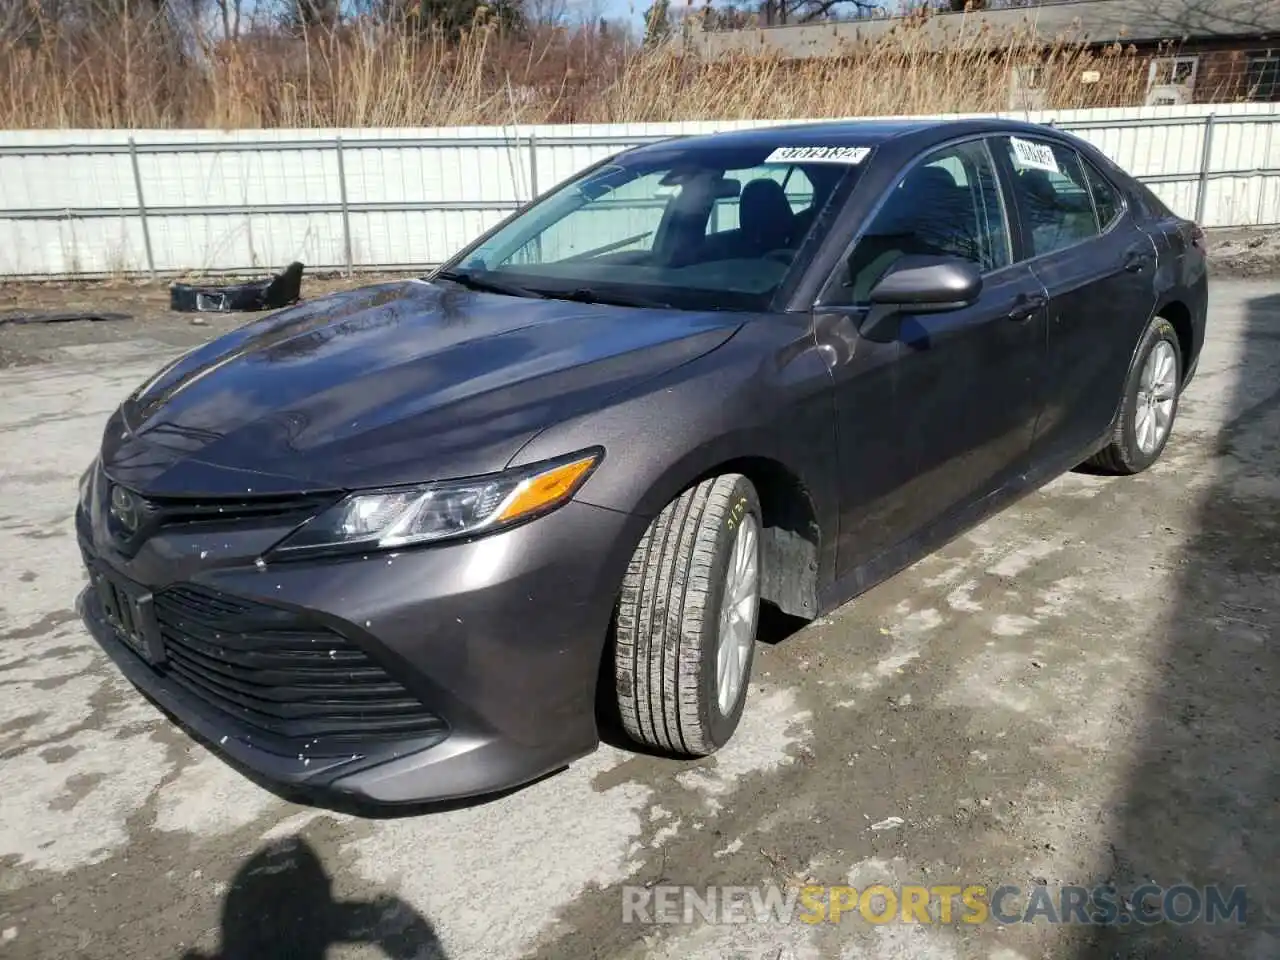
[[420, 540]]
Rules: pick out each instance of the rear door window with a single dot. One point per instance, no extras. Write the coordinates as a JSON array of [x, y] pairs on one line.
[[1053, 194]]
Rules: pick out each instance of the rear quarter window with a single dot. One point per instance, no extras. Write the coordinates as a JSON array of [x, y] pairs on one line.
[[1107, 200], [1148, 204]]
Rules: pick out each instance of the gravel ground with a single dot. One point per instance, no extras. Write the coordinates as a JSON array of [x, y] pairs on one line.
[[1081, 690]]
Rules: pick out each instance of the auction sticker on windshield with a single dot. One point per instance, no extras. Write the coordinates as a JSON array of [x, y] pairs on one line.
[[818, 155]]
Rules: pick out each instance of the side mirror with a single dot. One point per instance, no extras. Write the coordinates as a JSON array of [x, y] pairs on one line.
[[920, 284]]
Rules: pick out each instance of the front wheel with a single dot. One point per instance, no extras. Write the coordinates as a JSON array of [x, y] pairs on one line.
[[687, 614], [1149, 404]]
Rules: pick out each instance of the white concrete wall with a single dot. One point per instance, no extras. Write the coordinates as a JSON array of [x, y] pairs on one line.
[[60, 189]]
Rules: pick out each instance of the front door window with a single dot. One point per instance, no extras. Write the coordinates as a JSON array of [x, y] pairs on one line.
[[948, 205]]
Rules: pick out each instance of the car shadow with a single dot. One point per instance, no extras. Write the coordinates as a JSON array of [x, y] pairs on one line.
[[776, 626], [281, 904], [1201, 801]]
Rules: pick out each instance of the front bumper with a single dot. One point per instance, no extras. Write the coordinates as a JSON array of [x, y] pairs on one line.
[[480, 658]]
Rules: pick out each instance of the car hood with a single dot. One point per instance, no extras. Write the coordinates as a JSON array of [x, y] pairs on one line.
[[388, 384]]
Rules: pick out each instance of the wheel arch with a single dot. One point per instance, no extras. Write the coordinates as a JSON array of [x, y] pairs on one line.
[[734, 421], [1179, 316], [1182, 327], [792, 539]]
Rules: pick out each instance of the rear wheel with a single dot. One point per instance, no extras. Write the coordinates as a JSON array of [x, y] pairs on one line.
[[687, 616], [1149, 405]]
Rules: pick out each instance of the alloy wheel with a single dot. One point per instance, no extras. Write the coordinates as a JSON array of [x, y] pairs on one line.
[[739, 608], [1157, 391]]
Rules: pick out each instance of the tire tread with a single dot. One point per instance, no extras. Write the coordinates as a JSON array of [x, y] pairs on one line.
[[661, 610]]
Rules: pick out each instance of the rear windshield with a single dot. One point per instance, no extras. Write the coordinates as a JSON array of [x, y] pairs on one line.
[[689, 227]]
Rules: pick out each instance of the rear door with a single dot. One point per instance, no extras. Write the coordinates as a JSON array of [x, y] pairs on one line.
[[965, 384], [1084, 244]]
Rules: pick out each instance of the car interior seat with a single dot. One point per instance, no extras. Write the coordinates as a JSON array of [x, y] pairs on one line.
[[765, 219], [1041, 207]]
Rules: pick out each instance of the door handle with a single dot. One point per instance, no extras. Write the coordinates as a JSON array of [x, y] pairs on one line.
[[1027, 306]]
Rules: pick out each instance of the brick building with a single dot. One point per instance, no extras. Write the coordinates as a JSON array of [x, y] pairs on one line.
[[1198, 51]]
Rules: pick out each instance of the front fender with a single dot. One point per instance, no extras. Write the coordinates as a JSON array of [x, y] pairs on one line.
[[763, 399]]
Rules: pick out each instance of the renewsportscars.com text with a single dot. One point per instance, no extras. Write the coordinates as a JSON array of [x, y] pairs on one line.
[[935, 904]]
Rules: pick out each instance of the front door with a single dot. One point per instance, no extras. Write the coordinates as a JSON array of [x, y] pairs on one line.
[[971, 388], [938, 413]]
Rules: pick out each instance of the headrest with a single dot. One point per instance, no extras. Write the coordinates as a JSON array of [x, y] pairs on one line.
[[763, 205]]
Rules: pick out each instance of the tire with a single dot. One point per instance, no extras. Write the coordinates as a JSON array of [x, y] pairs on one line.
[[1129, 451], [668, 622]]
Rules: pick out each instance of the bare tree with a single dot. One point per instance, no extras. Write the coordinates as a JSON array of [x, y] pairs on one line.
[[958, 6], [657, 22], [774, 12], [316, 13], [777, 12], [229, 15], [18, 21], [546, 13]]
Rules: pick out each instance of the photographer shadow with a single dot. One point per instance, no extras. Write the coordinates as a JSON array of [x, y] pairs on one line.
[[281, 905]]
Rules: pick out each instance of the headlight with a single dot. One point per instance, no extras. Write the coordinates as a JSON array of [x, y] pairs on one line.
[[438, 511]]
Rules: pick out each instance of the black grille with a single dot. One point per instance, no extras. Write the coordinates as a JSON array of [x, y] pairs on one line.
[[152, 515], [287, 678], [172, 511]]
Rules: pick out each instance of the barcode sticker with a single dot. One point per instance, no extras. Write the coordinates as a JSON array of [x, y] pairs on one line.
[[1036, 156], [847, 155]]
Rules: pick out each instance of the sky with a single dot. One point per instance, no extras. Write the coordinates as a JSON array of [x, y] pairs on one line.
[[630, 10]]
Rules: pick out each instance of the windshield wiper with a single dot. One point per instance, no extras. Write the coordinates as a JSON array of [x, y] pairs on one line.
[[587, 295], [473, 282], [580, 295]]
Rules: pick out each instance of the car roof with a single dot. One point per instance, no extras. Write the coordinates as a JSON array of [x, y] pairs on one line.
[[841, 133]]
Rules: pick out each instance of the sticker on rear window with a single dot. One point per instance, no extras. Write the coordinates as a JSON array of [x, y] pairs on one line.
[[1037, 156], [851, 155]]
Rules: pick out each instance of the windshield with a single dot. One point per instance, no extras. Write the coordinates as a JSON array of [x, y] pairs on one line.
[[674, 226]]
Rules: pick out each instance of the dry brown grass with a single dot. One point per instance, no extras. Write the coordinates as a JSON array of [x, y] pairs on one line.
[[130, 72]]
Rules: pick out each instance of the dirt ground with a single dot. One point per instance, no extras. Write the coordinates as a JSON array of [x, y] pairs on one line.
[[1245, 252], [1082, 690], [145, 304]]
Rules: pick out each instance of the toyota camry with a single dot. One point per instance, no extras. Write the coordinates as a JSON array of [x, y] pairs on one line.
[[412, 541]]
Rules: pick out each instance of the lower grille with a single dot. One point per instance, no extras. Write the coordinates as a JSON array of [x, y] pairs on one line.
[[272, 671]]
